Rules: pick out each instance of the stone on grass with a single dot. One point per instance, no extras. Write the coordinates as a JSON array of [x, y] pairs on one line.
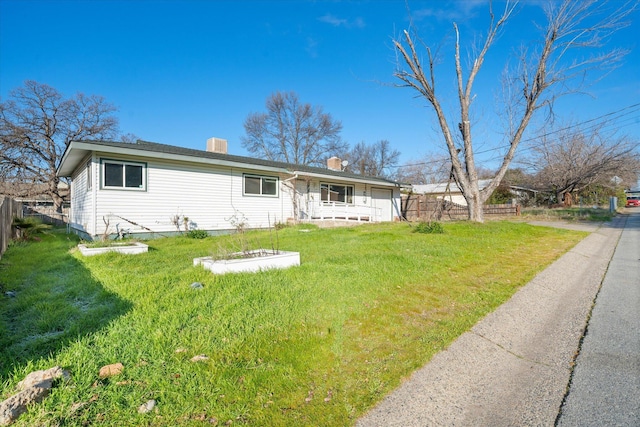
[[32, 389], [147, 407], [197, 285], [200, 358], [111, 370], [42, 378]]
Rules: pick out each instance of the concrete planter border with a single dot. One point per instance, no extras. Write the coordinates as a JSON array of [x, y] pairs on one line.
[[250, 262], [132, 248]]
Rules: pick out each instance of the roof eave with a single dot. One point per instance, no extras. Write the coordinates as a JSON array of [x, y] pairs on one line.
[[77, 151], [70, 162], [363, 180]]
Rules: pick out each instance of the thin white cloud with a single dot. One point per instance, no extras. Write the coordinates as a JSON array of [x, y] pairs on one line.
[[312, 47], [456, 10], [341, 22]]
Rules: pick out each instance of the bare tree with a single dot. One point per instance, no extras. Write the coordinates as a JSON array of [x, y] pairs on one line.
[[372, 160], [571, 161], [36, 125], [429, 169], [543, 74], [293, 132]]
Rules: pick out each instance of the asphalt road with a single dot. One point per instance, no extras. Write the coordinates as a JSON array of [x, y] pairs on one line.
[[515, 366]]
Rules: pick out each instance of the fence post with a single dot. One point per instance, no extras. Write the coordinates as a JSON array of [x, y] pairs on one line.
[[9, 209]]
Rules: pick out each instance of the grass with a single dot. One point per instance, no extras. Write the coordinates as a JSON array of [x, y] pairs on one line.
[[570, 214], [314, 345]]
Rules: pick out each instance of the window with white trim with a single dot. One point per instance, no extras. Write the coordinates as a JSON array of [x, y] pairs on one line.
[[258, 185], [118, 174], [338, 193]]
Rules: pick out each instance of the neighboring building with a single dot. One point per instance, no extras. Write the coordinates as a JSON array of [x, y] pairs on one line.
[[146, 187], [33, 194], [448, 191], [453, 194]]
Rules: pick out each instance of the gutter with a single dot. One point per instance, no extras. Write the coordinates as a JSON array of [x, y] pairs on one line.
[[350, 179]]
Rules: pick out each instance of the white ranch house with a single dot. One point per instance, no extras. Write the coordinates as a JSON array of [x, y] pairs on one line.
[[142, 187]]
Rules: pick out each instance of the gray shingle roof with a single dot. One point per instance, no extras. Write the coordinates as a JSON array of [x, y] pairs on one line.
[[154, 147]]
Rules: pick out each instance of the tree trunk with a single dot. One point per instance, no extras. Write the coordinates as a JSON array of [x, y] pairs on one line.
[[54, 193], [474, 205], [568, 199]]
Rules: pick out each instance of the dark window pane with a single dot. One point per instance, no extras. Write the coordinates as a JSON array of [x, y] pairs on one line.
[[133, 176], [269, 186], [251, 185], [112, 175], [337, 193]]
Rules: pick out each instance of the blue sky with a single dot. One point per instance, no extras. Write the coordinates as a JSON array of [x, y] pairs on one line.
[[183, 71]]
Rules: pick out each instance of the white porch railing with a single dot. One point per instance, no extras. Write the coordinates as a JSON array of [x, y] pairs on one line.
[[345, 212]]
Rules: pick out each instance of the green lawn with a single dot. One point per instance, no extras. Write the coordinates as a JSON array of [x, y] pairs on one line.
[[314, 345], [569, 214]]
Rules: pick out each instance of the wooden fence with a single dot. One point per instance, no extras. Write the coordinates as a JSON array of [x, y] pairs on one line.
[[9, 209], [420, 207]]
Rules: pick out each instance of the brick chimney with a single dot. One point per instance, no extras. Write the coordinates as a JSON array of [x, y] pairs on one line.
[[217, 145], [334, 163]]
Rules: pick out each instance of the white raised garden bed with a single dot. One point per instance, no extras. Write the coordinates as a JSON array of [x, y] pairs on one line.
[[250, 262], [129, 248]]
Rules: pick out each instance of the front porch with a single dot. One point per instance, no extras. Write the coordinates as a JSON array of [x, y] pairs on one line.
[[335, 211]]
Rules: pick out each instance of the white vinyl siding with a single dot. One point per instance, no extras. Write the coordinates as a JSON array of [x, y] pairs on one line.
[[211, 197], [81, 215]]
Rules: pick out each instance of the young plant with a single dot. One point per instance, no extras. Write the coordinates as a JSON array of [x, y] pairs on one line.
[[430, 227], [29, 227]]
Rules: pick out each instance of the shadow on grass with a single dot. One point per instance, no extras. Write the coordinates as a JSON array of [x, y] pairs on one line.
[[49, 299]]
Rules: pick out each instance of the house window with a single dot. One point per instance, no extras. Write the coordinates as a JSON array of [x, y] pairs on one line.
[[256, 185], [125, 175], [336, 193]]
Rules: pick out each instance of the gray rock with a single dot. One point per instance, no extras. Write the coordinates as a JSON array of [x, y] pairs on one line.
[[42, 378], [197, 285], [16, 405], [32, 389], [147, 407], [10, 294]]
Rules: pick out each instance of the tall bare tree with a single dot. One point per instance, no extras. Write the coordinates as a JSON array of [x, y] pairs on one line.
[[552, 69], [568, 162], [36, 125], [372, 160], [293, 132]]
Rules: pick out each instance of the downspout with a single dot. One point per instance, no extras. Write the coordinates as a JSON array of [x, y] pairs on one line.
[[95, 183]]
